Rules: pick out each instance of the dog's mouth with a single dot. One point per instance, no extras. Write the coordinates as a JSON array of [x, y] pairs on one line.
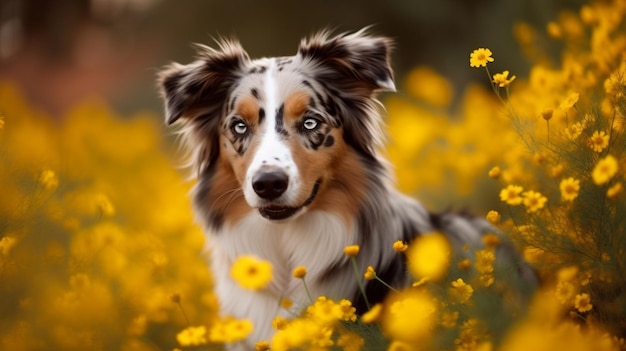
[[277, 213]]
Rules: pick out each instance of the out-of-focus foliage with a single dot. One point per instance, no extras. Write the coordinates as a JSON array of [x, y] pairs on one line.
[[554, 146], [98, 249]]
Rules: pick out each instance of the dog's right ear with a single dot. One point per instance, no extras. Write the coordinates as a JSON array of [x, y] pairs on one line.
[[201, 88]]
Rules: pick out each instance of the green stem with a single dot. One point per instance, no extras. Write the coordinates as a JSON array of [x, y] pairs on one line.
[[306, 288], [184, 313], [356, 272], [493, 85], [387, 285]]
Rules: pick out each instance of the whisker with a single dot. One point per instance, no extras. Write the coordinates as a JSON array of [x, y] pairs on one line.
[[231, 192], [233, 196]]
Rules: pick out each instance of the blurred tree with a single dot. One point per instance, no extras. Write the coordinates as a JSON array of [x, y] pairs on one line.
[[112, 48]]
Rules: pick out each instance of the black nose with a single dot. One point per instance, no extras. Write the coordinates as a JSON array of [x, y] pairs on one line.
[[270, 185]]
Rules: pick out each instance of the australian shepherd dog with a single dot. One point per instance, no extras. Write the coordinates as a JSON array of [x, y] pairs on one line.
[[286, 152]]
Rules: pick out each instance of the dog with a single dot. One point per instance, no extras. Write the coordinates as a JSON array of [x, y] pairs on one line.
[[286, 152]]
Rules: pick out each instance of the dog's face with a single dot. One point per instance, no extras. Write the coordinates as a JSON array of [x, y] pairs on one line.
[[279, 139], [275, 129]]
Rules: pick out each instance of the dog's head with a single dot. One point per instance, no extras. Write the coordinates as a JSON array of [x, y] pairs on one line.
[[275, 128]]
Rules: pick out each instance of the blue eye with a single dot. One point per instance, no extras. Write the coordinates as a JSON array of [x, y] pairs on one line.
[[240, 128], [310, 124]]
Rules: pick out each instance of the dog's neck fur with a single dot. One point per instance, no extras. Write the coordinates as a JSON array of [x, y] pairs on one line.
[[315, 240], [304, 241]]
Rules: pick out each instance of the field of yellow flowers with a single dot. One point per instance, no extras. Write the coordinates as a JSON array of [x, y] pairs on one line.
[[99, 251]]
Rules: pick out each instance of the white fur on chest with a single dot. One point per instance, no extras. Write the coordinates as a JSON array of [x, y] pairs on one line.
[[314, 240]]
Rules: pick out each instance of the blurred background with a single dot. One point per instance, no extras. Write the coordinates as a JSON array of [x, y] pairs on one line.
[[64, 51]]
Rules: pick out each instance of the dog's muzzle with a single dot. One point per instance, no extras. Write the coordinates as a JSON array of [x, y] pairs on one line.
[[273, 184]]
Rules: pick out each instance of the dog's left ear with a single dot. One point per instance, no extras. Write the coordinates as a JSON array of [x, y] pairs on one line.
[[200, 88], [353, 61]]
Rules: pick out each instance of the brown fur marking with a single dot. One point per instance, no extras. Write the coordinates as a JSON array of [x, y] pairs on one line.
[[248, 109], [296, 104]]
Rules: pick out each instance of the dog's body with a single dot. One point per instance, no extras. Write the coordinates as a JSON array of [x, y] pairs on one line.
[[286, 155]]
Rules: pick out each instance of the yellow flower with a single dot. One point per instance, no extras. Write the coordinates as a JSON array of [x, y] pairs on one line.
[[460, 291], [350, 341], [484, 261], [464, 264], [494, 172], [471, 332], [554, 30], [251, 273], [480, 57], [299, 272], [604, 170], [493, 217], [324, 311], [426, 85], [570, 101], [533, 254], [400, 246], [429, 256], [564, 292], [511, 195], [587, 15], [302, 334], [230, 330], [539, 158], [566, 274], [556, 171], [400, 346], [502, 79], [351, 250], [262, 345], [370, 273], [448, 319], [615, 84], [279, 323], [534, 201], [373, 314], [348, 311], [582, 302], [547, 114], [586, 278], [614, 190], [49, 179], [569, 188], [192, 336], [286, 303], [599, 141], [574, 131], [409, 316], [321, 338], [491, 240]]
